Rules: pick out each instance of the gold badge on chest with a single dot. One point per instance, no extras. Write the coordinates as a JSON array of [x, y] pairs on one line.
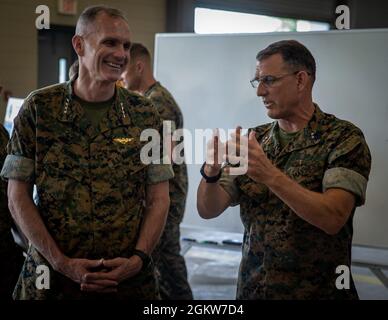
[[122, 140]]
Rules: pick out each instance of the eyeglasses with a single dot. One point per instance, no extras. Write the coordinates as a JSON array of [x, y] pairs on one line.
[[268, 81]]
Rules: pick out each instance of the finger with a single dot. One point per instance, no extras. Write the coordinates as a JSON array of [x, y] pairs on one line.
[[101, 282], [234, 141], [225, 155], [91, 287], [220, 152], [233, 159], [239, 170], [215, 137], [215, 149], [252, 135], [215, 146], [211, 148], [243, 145], [233, 147], [237, 132], [89, 264], [95, 276], [238, 139], [96, 288], [233, 151], [113, 263], [254, 147], [239, 147]]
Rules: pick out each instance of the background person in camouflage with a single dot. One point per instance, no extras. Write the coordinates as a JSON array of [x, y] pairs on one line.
[[170, 264], [307, 171], [11, 255], [97, 202]]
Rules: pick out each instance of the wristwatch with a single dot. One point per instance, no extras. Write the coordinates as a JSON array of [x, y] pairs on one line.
[[208, 179], [144, 257]]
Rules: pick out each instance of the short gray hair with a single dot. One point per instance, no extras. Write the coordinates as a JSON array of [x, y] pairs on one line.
[[294, 54], [88, 16]]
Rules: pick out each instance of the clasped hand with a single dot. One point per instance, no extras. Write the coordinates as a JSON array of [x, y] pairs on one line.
[[101, 275]]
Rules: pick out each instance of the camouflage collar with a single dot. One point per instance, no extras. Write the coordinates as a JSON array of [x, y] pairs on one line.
[[152, 87], [310, 135], [73, 112], [71, 108]]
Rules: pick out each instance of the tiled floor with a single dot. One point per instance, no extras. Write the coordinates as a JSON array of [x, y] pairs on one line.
[[213, 273]]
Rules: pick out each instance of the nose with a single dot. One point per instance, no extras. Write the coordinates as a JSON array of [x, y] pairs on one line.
[[261, 90], [120, 53]]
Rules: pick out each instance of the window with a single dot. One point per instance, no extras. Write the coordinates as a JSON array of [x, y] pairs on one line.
[[62, 67], [219, 21]]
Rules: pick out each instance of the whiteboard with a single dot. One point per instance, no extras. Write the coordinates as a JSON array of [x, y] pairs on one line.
[[209, 77]]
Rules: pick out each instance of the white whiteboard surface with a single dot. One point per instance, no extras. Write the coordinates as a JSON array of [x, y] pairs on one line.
[[209, 78]]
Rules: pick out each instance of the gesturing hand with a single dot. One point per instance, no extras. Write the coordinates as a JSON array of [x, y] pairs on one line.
[[237, 153], [215, 150], [260, 168]]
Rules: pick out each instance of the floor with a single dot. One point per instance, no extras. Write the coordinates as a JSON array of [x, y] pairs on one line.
[[213, 270]]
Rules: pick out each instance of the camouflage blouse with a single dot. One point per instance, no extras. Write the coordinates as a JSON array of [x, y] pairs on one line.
[[285, 257], [91, 184]]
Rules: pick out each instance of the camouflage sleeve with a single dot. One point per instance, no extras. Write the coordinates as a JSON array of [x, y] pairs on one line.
[[5, 216], [159, 172], [227, 183], [19, 163], [349, 167]]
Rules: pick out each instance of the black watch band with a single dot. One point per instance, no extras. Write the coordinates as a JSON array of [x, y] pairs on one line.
[[143, 256], [208, 179]]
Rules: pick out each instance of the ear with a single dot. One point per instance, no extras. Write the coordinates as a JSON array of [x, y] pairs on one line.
[[303, 80], [78, 45], [139, 67]]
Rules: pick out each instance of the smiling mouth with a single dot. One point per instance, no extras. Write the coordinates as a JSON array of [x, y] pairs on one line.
[[116, 66], [267, 103]]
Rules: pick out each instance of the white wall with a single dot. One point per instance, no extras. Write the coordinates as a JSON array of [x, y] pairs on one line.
[[209, 77]]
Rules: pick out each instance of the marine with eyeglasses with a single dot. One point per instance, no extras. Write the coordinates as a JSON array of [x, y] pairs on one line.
[[307, 172]]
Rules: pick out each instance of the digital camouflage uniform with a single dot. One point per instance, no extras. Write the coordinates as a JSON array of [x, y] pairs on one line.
[[283, 256], [90, 184], [11, 256], [170, 264]]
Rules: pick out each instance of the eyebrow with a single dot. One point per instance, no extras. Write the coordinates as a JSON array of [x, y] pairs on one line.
[[261, 77], [116, 40]]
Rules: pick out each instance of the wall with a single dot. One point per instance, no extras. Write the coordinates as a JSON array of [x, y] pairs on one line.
[[368, 14], [18, 35], [18, 52]]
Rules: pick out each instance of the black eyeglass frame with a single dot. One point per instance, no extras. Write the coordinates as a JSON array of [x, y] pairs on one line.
[[255, 82]]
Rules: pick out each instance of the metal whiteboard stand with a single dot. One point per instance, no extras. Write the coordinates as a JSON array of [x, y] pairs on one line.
[[373, 258]]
